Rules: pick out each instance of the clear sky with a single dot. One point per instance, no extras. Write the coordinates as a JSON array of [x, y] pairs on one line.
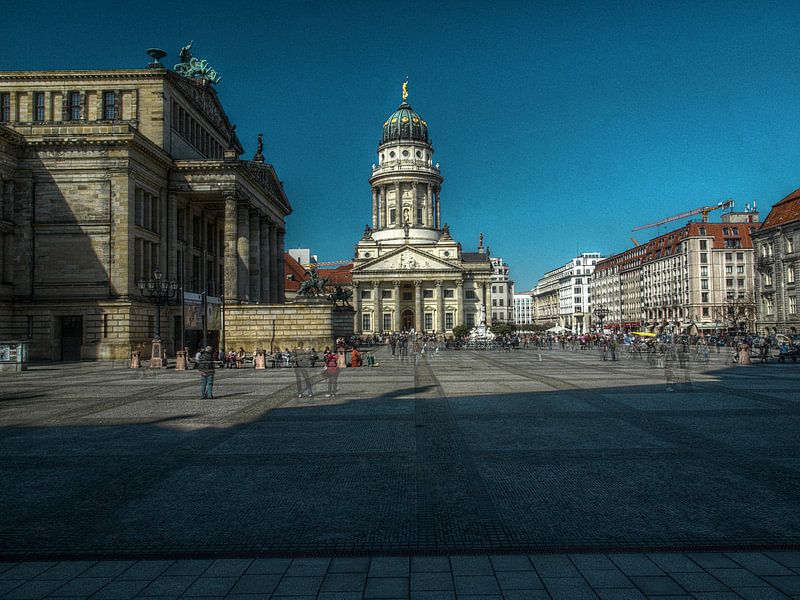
[[558, 125]]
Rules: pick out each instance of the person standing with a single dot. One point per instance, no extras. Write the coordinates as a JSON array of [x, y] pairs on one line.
[[302, 360], [206, 366], [331, 372]]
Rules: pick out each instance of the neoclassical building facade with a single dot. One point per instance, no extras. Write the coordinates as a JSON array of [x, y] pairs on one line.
[[106, 176], [409, 274]]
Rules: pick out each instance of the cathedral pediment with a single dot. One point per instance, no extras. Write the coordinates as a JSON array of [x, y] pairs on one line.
[[407, 260]]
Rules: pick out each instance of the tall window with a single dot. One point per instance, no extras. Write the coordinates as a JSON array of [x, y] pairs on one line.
[[366, 323], [448, 320], [74, 106], [792, 305], [38, 106], [109, 106], [470, 320], [789, 245], [387, 322], [790, 274], [428, 320], [5, 108]]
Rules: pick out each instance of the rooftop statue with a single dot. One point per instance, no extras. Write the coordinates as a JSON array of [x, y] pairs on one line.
[[259, 155], [405, 90], [195, 68]]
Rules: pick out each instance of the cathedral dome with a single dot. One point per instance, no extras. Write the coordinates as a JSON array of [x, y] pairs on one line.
[[405, 124]]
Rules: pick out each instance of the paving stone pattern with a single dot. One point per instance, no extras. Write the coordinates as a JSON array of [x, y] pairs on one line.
[[463, 455]]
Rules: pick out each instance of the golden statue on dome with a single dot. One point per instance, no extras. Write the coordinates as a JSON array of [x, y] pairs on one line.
[[405, 90]]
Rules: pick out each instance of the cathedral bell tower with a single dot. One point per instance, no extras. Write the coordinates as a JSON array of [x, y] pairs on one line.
[[405, 183]]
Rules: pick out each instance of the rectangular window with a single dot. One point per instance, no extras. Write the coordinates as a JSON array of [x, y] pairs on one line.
[[740, 270], [5, 108], [392, 215], [386, 294], [428, 321], [366, 323], [38, 106], [449, 293], [728, 256], [740, 282], [703, 245], [729, 283], [427, 293], [74, 106], [705, 311], [704, 284], [448, 320], [703, 271], [740, 256], [792, 307], [703, 258], [789, 245], [470, 321], [407, 295], [725, 231], [470, 295], [387, 322], [366, 294], [790, 274], [109, 106], [704, 296], [728, 269]]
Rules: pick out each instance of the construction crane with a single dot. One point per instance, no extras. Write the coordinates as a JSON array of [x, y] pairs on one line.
[[329, 263], [703, 210]]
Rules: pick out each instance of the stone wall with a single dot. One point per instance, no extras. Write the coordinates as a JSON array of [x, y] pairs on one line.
[[315, 324]]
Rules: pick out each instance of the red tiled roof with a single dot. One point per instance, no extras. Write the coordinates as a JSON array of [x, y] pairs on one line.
[[340, 275], [665, 245], [292, 267], [785, 211]]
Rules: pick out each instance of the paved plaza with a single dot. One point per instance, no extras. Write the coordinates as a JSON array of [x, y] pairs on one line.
[[472, 474]]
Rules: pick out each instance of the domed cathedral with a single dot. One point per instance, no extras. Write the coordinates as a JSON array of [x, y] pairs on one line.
[[409, 274]]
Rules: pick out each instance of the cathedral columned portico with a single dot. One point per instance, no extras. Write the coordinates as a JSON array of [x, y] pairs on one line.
[[409, 273]]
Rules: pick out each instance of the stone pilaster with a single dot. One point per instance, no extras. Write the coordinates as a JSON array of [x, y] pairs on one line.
[[460, 320], [418, 322], [231, 284], [439, 306], [429, 206], [255, 256], [383, 206], [398, 203], [357, 304], [281, 235], [378, 304], [397, 321], [273, 262], [243, 248], [171, 210], [263, 235], [413, 219], [374, 208]]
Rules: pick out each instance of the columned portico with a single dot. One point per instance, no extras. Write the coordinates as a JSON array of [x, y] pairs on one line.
[[378, 303], [418, 323], [231, 258], [396, 296]]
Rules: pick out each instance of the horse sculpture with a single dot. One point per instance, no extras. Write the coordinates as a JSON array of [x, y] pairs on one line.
[[313, 286], [340, 294]]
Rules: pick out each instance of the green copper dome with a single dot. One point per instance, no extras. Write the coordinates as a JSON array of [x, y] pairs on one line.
[[405, 124]]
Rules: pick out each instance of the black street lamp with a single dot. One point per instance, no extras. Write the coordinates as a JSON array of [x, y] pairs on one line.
[[601, 313], [159, 292]]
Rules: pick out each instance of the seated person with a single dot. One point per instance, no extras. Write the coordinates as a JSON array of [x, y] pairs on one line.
[[240, 358], [276, 359]]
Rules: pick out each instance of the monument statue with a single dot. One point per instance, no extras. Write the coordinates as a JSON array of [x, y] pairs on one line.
[[194, 68], [259, 155], [314, 285]]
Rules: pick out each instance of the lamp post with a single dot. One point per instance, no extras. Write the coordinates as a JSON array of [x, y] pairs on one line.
[[601, 313], [159, 292]]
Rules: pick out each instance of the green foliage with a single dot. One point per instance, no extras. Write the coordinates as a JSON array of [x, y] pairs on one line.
[[501, 329], [460, 331]]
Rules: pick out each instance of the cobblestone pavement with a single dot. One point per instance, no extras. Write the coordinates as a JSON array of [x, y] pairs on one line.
[[485, 457]]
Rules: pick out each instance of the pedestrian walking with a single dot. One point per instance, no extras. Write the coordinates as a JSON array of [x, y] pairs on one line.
[[302, 361], [206, 366], [331, 372]]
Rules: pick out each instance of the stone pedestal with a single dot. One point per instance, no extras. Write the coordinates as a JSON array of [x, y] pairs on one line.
[[180, 360], [136, 358], [157, 360]]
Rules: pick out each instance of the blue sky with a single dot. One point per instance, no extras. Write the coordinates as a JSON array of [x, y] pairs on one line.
[[559, 126]]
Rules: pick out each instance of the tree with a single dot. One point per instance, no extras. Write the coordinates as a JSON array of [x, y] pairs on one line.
[[460, 331], [501, 329]]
